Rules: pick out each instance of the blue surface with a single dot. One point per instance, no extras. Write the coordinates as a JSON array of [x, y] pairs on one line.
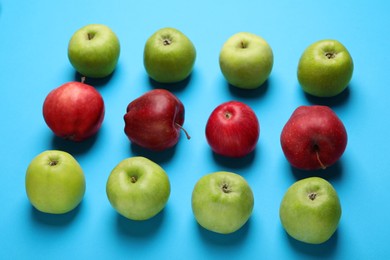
[[33, 50]]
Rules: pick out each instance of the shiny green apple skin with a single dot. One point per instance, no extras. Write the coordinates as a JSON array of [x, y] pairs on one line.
[[138, 188], [222, 202], [55, 182], [325, 68], [94, 51], [310, 210], [246, 60], [169, 56]]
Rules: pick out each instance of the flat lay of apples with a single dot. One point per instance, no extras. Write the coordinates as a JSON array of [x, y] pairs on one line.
[[313, 138]]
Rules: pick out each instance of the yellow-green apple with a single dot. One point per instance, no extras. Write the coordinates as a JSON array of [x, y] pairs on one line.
[[169, 56], [138, 188], [74, 111], [310, 210], [233, 129], [314, 137], [94, 50], [222, 202], [55, 182], [246, 60], [325, 68], [154, 120]]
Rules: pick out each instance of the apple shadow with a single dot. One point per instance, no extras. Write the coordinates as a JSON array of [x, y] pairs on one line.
[[235, 163], [95, 82], [139, 228], [55, 220], [174, 87], [72, 147], [233, 239], [249, 93], [326, 249], [335, 101], [156, 156], [333, 172]]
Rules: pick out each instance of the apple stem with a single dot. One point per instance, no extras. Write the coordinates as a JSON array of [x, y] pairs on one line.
[[225, 188], [312, 196], [83, 79], [182, 128], [330, 55], [319, 160], [53, 163]]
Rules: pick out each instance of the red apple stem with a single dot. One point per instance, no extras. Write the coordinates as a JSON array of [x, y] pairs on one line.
[[182, 128], [319, 160], [83, 79]]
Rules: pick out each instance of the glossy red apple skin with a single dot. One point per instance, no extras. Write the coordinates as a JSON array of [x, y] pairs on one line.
[[74, 111], [154, 120], [233, 129], [314, 137]]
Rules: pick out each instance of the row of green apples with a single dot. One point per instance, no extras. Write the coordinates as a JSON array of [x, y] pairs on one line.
[[246, 60], [314, 137]]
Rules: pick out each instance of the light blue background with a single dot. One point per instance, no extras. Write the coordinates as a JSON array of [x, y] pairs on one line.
[[33, 58]]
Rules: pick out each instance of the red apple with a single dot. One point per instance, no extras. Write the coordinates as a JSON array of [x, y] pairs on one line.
[[154, 120], [313, 138], [233, 129], [74, 111]]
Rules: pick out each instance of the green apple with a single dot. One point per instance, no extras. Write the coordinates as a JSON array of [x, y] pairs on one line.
[[246, 60], [325, 68], [222, 202], [55, 182], [169, 56], [138, 188], [94, 50], [310, 210]]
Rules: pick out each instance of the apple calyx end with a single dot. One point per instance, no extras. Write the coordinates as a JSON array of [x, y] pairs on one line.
[[182, 128]]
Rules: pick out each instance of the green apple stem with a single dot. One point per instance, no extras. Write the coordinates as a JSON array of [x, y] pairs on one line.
[[319, 161], [133, 179], [312, 195], [53, 162], [225, 188], [330, 55], [182, 128]]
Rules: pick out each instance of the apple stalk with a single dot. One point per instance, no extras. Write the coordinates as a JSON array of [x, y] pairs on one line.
[[182, 128], [319, 161]]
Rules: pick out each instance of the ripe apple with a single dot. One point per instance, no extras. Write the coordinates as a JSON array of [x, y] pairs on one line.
[[310, 210], [93, 50], [154, 120], [222, 202], [138, 188], [246, 60], [74, 111], [232, 129], [314, 137], [325, 68], [54, 182], [169, 56]]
